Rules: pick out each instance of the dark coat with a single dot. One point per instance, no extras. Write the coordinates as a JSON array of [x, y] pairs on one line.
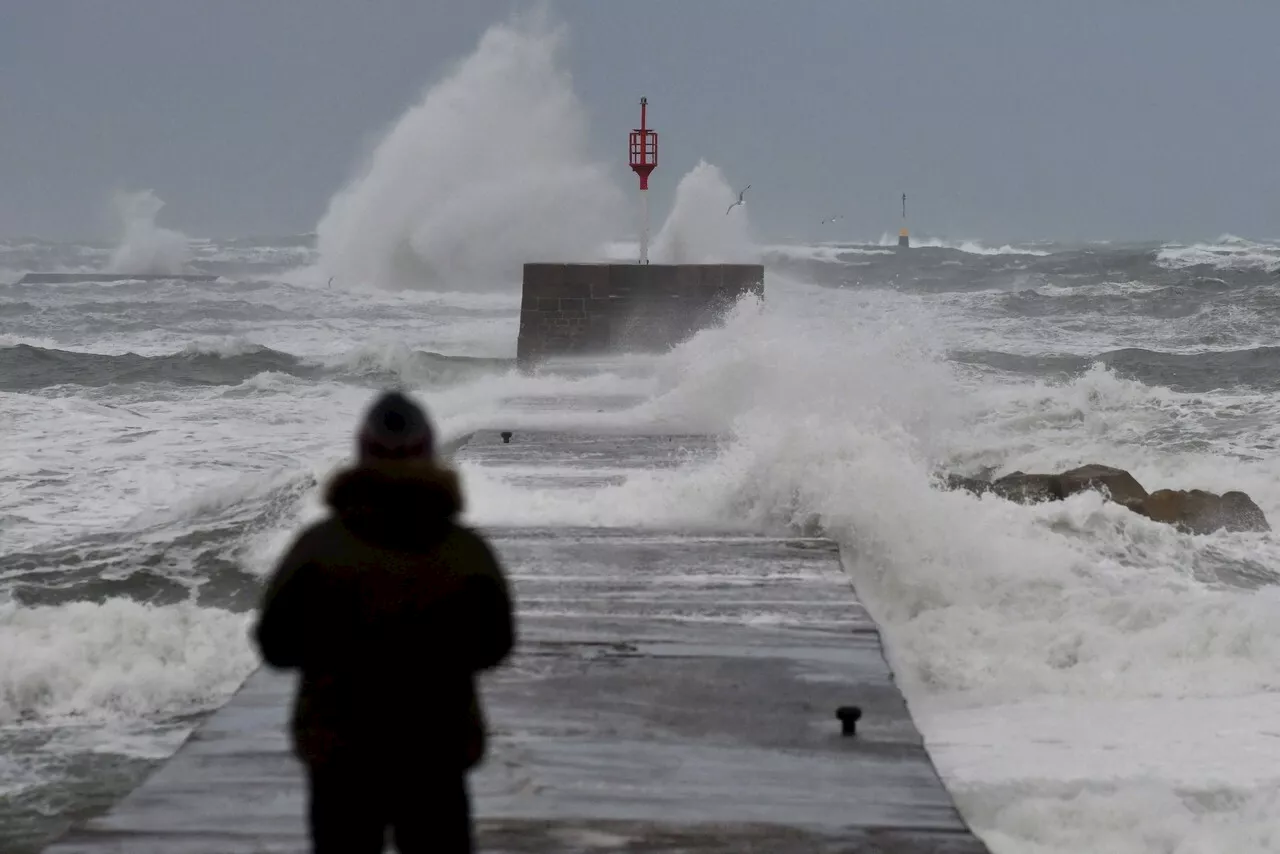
[[389, 608]]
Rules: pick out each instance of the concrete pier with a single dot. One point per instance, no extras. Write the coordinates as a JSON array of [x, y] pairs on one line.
[[590, 309], [673, 690]]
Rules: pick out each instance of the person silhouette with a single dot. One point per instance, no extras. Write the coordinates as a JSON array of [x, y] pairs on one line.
[[389, 607]]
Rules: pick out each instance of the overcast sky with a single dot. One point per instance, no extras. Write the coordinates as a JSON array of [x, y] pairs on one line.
[[1001, 119]]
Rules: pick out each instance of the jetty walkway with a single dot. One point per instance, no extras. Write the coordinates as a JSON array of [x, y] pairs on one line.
[[671, 691]]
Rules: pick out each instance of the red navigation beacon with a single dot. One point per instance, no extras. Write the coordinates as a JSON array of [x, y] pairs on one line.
[[643, 158]]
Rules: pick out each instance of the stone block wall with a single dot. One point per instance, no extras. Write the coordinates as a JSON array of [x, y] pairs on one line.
[[585, 309]]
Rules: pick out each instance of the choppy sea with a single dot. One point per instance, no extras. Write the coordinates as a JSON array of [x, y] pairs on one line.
[[1086, 679]]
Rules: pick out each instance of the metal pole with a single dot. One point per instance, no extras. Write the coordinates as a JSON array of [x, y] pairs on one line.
[[644, 227], [644, 184]]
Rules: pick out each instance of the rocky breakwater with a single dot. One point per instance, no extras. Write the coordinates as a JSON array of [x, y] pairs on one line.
[[1194, 511]]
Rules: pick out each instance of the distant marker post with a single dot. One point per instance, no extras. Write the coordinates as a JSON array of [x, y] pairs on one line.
[[904, 240], [644, 159]]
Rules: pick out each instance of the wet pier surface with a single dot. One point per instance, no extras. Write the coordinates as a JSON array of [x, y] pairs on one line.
[[672, 691]]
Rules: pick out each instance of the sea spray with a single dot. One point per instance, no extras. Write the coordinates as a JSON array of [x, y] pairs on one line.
[[844, 423], [144, 246], [490, 170], [701, 229], [838, 420], [1052, 654]]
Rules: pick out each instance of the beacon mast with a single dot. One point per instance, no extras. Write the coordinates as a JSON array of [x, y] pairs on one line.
[[904, 241], [643, 160]]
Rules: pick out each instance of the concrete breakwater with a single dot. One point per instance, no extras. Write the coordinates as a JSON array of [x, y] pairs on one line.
[[590, 309], [672, 690]]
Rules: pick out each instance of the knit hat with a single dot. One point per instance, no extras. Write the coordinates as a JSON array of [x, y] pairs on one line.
[[395, 428]]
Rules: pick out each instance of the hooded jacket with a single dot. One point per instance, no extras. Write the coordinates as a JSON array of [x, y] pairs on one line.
[[389, 608]]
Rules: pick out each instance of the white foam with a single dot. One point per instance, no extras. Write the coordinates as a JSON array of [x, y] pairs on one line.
[[701, 228], [973, 247], [1147, 817], [135, 739], [136, 460], [490, 170], [1201, 743], [1227, 253], [227, 346], [994, 613], [255, 256], [117, 659], [827, 252], [1054, 776], [144, 246], [28, 341]]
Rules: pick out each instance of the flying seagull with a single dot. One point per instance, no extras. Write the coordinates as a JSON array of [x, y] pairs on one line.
[[739, 201], [832, 218]]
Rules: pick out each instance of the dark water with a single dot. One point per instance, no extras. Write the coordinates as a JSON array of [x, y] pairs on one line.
[[1224, 306], [1257, 368], [27, 368]]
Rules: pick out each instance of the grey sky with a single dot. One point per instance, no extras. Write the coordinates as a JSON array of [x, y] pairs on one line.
[[1019, 119]]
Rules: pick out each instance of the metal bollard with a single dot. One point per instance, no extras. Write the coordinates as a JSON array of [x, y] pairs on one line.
[[848, 717]]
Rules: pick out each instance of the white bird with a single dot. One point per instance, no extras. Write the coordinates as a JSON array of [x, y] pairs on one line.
[[832, 218], [739, 201]]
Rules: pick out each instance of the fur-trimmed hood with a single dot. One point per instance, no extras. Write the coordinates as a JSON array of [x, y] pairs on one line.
[[394, 499]]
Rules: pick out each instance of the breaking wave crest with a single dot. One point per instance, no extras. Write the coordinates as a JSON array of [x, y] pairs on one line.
[[1228, 252], [490, 170], [117, 659], [701, 228], [1004, 622], [146, 247]]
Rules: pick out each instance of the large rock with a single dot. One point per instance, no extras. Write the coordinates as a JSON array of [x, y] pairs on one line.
[[1028, 488], [1116, 484], [1195, 511], [976, 485], [1201, 512]]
